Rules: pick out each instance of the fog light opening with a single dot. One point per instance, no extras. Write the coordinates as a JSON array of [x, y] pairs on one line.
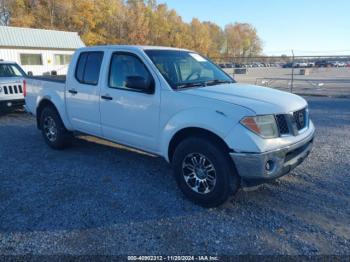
[[270, 165]]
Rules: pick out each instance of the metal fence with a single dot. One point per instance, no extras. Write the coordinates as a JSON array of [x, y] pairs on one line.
[[272, 61], [308, 75]]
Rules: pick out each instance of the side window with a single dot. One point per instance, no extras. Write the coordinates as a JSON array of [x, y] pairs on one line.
[[128, 72], [79, 71], [88, 67]]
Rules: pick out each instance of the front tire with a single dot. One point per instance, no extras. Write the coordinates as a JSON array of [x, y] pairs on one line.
[[53, 129], [204, 172]]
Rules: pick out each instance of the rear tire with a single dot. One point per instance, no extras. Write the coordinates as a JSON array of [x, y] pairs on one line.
[[204, 172], [53, 129]]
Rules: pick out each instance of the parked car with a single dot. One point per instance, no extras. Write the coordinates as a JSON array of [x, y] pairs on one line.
[[238, 65], [310, 64], [323, 63], [339, 64], [257, 64], [217, 134], [295, 65], [301, 65], [12, 86], [230, 65], [287, 65]]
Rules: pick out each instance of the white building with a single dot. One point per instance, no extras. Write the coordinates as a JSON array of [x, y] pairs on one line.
[[38, 51]]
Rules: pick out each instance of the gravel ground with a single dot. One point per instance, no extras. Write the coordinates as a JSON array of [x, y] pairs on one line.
[[99, 198]]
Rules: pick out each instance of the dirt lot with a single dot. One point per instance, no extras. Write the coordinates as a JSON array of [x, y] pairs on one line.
[[98, 198]]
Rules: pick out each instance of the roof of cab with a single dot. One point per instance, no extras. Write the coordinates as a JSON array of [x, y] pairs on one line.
[[133, 47], [6, 62]]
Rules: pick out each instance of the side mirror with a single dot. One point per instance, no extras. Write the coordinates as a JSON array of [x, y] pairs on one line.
[[30, 73], [139, 83]]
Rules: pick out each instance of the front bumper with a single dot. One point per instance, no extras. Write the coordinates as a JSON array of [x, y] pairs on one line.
[[11, 104], [260, 167]]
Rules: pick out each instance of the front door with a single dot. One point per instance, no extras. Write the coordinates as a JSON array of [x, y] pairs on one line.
[[130, 101]]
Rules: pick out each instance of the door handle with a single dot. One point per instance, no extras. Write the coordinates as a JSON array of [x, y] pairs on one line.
[[73, 91], [107, 97]]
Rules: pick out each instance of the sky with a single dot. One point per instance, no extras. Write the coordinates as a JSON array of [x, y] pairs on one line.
[[309, 27]]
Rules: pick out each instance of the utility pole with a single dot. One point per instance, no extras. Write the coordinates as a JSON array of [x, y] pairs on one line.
[[292, 82]]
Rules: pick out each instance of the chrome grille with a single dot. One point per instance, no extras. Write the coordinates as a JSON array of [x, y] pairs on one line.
[[292, 123], [282, 124], [300, 118]]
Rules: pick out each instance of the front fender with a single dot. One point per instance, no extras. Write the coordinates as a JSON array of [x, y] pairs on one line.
[[211, 120]]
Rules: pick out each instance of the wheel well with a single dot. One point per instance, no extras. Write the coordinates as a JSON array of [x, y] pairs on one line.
[[194, 132], [44, 103]]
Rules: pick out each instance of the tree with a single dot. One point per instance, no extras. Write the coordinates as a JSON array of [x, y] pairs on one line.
[[21, 13], [4, 13], [216, 39], [137, 26], [200, 36], [242, 40], [134, 22]]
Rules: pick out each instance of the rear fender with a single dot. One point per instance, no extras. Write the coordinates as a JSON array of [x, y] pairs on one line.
[[58, 103]]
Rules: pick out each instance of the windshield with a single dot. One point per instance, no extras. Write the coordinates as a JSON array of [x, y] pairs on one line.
[[10, 70], [183, 69]]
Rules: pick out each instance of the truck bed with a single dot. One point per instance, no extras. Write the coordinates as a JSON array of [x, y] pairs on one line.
[[58, 78], [39, 87]]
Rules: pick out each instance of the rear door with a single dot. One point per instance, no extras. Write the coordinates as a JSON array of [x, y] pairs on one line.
[[83, 93]]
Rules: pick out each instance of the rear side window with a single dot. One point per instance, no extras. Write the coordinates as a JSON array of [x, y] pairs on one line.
[[88, 67], [79, 72]]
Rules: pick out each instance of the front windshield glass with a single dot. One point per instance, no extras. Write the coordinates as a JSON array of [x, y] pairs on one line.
[[183, 69], [10, 70]]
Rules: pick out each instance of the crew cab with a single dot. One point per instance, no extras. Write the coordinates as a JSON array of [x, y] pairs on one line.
[[217, 134], [12, 86]]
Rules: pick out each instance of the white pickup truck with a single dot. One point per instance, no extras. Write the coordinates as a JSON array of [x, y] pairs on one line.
[[216, 133], [12, 86]]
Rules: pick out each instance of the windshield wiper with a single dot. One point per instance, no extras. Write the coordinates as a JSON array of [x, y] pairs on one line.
[[217, 81], [190, 85], [206, 83]]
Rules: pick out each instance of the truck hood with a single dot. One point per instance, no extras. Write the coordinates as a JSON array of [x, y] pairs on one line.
[[8, 80], [261, 100]]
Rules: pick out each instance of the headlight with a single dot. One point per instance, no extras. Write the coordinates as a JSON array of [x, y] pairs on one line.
[[264, 126]]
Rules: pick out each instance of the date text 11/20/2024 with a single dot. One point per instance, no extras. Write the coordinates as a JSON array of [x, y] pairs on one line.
[[173, 258]]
